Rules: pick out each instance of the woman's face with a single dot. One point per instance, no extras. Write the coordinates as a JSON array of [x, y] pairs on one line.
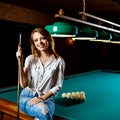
[[41, 43]]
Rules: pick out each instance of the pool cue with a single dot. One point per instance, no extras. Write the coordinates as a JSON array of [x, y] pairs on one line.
[[19, 75]]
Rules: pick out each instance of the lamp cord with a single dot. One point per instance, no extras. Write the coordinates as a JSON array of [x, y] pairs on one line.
[[83, 15]]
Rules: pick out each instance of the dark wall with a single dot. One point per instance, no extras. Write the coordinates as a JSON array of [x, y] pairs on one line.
[[9, 39], [83, 55], [80, 56]]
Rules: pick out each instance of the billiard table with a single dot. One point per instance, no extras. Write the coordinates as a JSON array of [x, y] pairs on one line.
[[102, 91]]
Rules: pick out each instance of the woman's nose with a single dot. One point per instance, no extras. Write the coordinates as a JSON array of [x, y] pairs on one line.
[[40, 41]]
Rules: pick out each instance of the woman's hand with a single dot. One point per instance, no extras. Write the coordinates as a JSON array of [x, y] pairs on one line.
[[19, 52], [35, 100]]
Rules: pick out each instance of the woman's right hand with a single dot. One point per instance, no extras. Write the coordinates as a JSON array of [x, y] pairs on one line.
[[19, 52]]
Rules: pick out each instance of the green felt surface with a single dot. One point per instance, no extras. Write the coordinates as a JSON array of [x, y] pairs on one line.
[[102, 97], [102, 91]]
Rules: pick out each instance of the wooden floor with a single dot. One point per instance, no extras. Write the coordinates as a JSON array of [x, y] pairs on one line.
[[8, 111]]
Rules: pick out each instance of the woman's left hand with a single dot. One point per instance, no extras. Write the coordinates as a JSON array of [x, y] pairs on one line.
[[35, 100]]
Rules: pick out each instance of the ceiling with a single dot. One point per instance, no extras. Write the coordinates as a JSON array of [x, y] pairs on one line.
[[107, 9]]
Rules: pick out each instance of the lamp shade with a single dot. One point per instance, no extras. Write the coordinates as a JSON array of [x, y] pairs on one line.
[[62, 29], [87, 32], [103, 35], [115, 37]]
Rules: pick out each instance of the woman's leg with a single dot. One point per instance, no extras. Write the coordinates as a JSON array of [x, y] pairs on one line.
[[43, 110], [25, 96]]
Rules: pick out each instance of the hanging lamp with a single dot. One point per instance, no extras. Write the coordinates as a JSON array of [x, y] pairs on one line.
[[115, 37], [86, 33], [103, 35], [62, 29]]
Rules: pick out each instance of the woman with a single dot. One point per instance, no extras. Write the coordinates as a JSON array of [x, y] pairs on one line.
[[41, 76]]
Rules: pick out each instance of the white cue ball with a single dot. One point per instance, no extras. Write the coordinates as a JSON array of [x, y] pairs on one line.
[[68, 95], [76, 95], [82, 96], [72, 96], [63, 95]]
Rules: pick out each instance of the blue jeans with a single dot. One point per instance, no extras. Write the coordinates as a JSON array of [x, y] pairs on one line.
[[41, 111]]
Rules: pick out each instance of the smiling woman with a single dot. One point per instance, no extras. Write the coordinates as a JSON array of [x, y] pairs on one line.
[[41, 76]]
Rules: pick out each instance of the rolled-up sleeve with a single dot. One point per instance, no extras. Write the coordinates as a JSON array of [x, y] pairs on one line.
[[59, 77]]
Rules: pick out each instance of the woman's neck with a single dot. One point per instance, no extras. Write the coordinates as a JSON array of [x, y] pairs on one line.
[[45, 56]]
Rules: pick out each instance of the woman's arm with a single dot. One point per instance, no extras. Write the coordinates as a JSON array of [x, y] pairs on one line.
[[22, 75]]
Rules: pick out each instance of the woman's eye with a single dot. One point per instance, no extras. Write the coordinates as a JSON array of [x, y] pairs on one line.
[[39, 39], [42, 38], [35, 40]]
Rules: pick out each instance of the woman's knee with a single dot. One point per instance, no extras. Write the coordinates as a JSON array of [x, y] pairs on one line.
[[44, 108]]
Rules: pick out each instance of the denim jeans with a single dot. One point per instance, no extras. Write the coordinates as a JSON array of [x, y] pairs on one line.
[[41, 111]]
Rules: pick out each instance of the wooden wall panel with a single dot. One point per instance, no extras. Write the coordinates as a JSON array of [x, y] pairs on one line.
[[23, 15]]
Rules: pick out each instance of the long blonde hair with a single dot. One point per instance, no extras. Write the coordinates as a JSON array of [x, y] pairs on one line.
[[47, 35]]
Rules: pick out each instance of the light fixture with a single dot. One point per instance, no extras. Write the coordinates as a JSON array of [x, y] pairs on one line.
[[62, 29], [86, 33], [115, 37], [87, 23], [108, 36], [103, 35]]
